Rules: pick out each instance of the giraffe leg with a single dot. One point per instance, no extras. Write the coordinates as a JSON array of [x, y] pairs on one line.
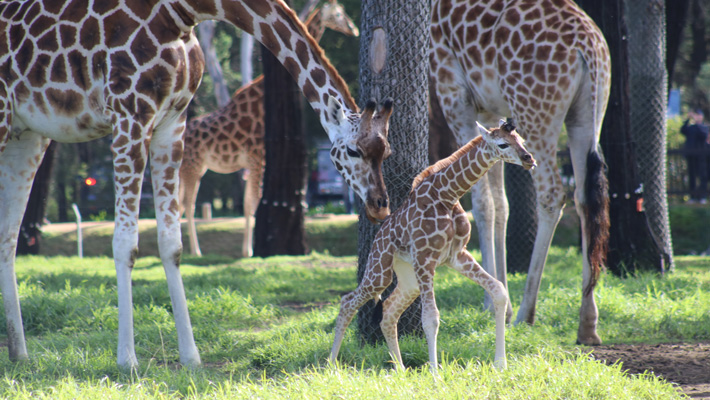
[[591, 187], [467, 265], [430, 313], [550, 202], [252, 195], [371, 287], [189, 186], [483, 209], [19, 160], [128, 178], [401, 298], [166, 150], [500, 224]]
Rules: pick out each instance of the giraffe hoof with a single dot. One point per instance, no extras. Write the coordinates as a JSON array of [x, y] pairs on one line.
[[592, 340]]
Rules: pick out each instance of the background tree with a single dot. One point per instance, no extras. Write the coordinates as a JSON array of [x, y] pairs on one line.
[[633, 245], [676, 17], [394, 63], [31, 229], [206, 33], [279, 226]]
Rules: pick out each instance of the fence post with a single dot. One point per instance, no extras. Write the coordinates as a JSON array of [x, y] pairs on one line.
[[79, 238]]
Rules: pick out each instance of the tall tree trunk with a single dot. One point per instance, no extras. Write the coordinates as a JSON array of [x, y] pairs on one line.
[[31, 229], [649, 100], [246, 48], [206, 33], [676, 17], [400, 30], [633, 246], [699, 52], [279, 225]]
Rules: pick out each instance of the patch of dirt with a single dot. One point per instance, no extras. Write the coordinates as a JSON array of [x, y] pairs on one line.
[[685, 364]]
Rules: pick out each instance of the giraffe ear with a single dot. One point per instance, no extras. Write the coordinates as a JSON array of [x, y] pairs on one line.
[[336, 115]]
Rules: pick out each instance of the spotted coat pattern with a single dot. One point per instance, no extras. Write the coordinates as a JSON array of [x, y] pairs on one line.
[[544, 63], [232, 137], [76, 70], [428, 230]]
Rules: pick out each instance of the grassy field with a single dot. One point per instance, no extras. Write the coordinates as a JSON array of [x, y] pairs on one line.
[[264, 330]]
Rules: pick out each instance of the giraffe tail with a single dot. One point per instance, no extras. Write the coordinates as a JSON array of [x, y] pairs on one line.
[[597, 215], [377, 312]]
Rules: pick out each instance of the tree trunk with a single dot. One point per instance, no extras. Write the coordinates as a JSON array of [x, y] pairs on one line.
[[699, 53], [649, 100], [522, 218], [246, 48], [676, 17], [206, 33], [279, 225], [31, 229], [632, 244], [401, 73]]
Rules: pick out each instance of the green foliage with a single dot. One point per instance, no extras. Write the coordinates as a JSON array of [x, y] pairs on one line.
[[674, 139], [689, 227]]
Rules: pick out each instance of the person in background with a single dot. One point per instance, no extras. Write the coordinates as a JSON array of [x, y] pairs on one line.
[[696, 139]]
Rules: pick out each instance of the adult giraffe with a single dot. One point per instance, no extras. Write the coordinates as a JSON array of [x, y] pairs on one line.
[[232, 137], [545, 63], [76, 70]]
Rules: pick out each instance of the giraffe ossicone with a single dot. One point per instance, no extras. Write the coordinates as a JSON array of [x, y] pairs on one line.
[[232, 137], [430, 229], [77, 70]]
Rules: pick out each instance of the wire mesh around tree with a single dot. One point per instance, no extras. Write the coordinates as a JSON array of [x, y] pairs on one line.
[[522, 220], [648, 95], [405, 79]]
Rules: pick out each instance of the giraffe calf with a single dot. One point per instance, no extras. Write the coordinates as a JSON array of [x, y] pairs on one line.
[[428, 230]]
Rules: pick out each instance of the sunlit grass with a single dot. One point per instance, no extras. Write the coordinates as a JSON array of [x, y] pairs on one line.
[[264, 330]]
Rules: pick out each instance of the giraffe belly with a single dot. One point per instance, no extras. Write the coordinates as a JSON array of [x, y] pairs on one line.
[[224, 162], [87, 123], [488, 100]]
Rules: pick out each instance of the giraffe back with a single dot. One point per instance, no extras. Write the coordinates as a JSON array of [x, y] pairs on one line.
[[521, 53], [229, 138], [75, 68]]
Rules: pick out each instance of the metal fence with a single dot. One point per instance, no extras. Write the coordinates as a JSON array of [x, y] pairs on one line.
[[677, 183]]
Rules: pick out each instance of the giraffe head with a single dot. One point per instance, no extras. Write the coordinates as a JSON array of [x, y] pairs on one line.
[[359, 148], [335, 18], [507, 145]]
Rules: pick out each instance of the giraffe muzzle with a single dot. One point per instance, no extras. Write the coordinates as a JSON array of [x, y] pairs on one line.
[[377, 209], [528, 162]]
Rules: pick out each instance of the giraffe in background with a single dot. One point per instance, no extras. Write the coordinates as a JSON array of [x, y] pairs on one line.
[[77, 70], [232, 138], [545, 63], [430, 229]]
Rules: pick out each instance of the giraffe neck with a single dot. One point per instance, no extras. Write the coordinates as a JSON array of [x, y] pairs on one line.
[[314, 24], [455, 175], [277, 27]]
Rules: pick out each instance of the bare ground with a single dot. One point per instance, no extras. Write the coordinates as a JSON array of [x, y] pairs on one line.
[[685, 364]]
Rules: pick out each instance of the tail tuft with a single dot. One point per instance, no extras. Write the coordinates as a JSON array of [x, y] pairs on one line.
[[596, 193]]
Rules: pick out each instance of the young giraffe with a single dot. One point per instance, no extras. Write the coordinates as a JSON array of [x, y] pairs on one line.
[[232, 138], [430, 229], [545, 63], [76, 70]]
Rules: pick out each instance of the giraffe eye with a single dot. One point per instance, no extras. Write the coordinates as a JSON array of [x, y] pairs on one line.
[[353, 153], [503, 146]]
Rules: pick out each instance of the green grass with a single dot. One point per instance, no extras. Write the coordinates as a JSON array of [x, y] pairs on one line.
[[264, 330]]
